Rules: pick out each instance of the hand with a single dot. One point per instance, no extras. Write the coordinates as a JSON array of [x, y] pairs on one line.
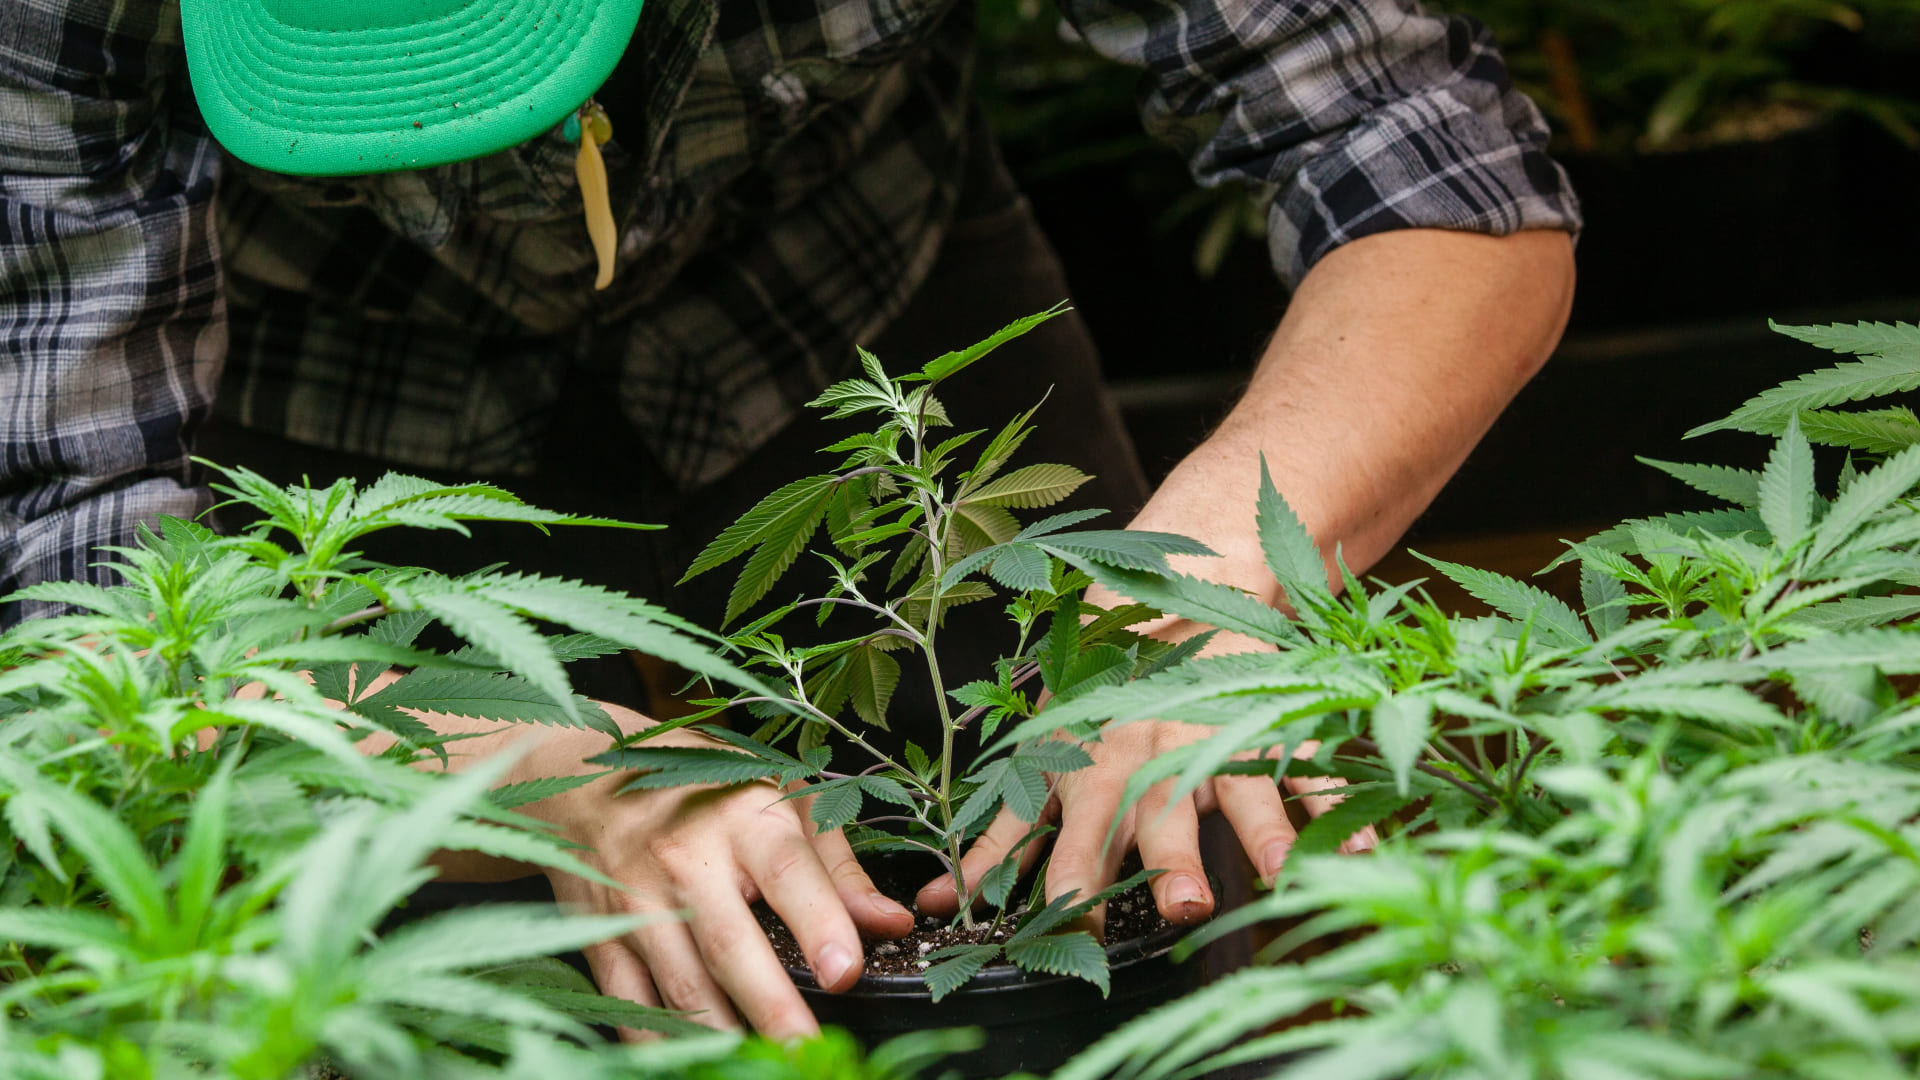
[[710, 852], [1166, 830]]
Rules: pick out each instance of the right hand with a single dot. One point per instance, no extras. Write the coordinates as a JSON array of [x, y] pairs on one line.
[[709, 852]]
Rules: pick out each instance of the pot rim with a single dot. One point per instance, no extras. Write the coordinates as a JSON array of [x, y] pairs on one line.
[[1000, 978]]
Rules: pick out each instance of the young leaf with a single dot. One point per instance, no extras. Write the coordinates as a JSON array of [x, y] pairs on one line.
[[675, 766], [1741, 487], [951, 364], [1872, 493], [835, 803], [754, 526], [1552, 620], [1359, 806], [955, 966], [1402, 724], [1602, 595], [1291, 553], [1124, 548], [1022, 568], [1203, 601], [505, 635], [1075, 954], [527, 792], [1030, 488], [1872, 431], [871, 678], [1786, 487]]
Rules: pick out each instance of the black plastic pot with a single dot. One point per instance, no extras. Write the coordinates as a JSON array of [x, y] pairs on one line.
[[1032, 1022]]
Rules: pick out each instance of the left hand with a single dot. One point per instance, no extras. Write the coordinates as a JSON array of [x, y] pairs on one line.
[[1166, 830]]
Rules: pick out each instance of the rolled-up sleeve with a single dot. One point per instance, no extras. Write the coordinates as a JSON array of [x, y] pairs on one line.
[[111, 319], [1355, 117]]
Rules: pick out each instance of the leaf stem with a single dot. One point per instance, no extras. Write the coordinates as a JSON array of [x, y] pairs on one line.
[[366, 614]]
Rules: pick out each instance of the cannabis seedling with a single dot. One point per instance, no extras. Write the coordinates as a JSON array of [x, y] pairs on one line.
[[913, 535]]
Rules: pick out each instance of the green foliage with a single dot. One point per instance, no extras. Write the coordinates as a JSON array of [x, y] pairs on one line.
[[947, 530], [209, 809], [1668, 834], [1661, 74]]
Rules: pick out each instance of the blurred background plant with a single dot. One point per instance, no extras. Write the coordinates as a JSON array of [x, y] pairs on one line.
[[1649, 75]]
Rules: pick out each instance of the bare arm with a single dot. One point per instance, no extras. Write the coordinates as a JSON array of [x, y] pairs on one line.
[[1398, 353]]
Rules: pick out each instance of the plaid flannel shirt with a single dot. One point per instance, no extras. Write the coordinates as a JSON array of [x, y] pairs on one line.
[[783, 172]]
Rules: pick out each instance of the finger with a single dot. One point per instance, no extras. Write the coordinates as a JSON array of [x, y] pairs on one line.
[[789, 875], [680, 975], [937, 897], [1168, 832], [872, 911], [1083, 861], [735, 950], [1258, 814], [1306, 787], [619, 973]]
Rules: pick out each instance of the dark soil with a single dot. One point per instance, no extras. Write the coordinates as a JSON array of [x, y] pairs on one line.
[[1130, 916]]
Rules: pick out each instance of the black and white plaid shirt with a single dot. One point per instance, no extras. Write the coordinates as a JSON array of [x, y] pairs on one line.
[[783, 171]]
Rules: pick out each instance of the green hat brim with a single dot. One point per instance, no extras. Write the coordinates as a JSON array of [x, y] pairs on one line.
[[365, 94]]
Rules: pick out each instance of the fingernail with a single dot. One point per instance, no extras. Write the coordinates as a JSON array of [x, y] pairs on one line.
[[836, 961], [1185, 891], [884, 902], [1273, 858]]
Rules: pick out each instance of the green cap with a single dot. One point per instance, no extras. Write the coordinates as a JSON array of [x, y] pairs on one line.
[[338, 87]]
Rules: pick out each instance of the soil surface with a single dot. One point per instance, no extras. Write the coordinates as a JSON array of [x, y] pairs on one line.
[[1130, 916]]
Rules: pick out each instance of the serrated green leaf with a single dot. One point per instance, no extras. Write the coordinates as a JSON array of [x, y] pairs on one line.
[[950, 364], [506, 636], [1786, 487], [979, 526], [1292, 556], [752, 528], [781, 542], [527, 792], [675, 766], [1202, 601], [475, 695], [1872, 431], [1602, 595], [1122, 548], [1022, 568], [1891, 367], [1740, 487], [1872, 493], [1402, 724], [1552, 620], [835, 803], [872, 676], [1074, 954], [956, 967], [1359, 807], [1031, 487]]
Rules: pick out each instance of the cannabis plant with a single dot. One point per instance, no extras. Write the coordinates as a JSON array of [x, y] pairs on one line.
[[915, 529], [209, 808], [1669, 831]]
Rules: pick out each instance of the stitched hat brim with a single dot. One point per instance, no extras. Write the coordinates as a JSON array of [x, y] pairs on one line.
[[337, 100]]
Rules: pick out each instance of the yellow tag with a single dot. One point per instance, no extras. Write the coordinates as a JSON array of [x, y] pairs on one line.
[[591, 169]]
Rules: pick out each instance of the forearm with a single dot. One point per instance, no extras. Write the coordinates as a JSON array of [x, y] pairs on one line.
[[1398, 352]]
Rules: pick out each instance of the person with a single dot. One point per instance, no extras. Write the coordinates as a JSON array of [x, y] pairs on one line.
[[327, 237]]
